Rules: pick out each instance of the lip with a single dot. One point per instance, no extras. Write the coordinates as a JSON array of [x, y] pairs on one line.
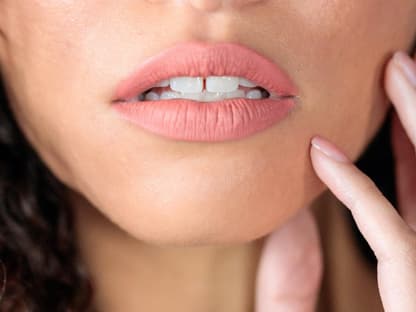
[[183, 119]]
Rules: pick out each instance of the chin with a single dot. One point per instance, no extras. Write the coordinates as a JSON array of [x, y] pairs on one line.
[[199, 219]]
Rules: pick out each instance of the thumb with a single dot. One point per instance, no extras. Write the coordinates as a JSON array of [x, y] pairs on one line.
[[290, 269]]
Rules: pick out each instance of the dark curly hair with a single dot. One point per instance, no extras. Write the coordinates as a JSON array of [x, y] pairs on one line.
[[40, 266]]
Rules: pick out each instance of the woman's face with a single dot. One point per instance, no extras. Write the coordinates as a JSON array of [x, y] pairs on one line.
[[62, 60]]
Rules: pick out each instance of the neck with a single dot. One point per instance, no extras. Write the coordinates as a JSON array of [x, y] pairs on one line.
[[130, 275]]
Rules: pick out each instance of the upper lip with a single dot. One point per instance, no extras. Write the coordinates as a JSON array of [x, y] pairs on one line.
[[199, 59]]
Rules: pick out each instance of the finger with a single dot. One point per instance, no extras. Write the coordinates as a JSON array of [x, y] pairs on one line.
[[405, 171], [290, 268], [386, 232], [388, 235], [400, 83]]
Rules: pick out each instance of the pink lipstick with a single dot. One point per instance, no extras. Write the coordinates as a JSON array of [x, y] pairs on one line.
[[191, 120]]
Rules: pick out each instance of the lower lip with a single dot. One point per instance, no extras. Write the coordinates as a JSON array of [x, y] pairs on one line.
[[188, 120]]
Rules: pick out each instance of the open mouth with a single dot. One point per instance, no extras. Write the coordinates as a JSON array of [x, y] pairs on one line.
[[209, 89], [245, 92]]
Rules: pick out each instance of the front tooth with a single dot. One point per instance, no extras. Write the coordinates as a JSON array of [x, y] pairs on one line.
[[246, 83], [222, 83], [163, 83], [187, 84]]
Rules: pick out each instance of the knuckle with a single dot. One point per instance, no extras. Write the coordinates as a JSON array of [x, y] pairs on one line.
[[368, 186]]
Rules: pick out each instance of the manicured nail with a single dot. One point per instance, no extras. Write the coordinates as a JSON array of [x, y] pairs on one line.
[[407, 66], [329, 149]]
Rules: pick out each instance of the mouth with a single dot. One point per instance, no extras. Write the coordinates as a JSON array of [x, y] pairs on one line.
[[209, 89], [244, 92]]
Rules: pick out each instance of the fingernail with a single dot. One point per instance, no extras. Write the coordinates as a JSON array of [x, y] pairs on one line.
[[329, 149], [407, 66]]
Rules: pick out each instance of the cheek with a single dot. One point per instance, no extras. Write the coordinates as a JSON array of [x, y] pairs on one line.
[[348, 44]]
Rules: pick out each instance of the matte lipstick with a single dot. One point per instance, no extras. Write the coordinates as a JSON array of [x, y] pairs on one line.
[[189, 120]]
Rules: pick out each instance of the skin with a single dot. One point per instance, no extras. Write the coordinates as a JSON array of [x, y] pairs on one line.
[[390, 233], [60, 77]]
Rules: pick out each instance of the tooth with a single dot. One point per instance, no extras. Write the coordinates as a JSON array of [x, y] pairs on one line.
[[254, 94], [235, 94], [163, 83], [204, 96], [222, 83], [187, 84], [152, 96], [191, 96], [246, 83], [213, 96], [169, 95]]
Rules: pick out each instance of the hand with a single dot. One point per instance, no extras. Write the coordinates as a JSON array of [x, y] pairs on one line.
[[290, 269], [391, 235], [291, 266]]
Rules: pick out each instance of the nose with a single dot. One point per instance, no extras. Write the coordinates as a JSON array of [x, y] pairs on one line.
[[213, 5]]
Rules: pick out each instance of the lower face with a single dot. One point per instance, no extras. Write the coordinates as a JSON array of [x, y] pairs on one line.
[[61, 74]]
